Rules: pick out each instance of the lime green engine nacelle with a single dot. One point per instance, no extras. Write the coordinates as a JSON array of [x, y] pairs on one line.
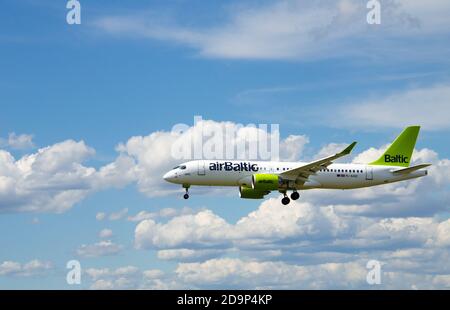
[[262, 184], [250, 193], [266, 182]]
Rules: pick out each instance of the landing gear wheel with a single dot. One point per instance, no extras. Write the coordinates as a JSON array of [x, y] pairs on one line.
[[295, 196], [285, 200], [186, 196]]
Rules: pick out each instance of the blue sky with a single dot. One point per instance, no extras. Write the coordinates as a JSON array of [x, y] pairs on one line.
[[136, 69]]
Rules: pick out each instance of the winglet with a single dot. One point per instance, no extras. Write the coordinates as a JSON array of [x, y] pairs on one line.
[[348, 149]]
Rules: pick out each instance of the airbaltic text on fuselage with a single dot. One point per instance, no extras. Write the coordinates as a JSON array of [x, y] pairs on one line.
[[230, 166], [396, 159]]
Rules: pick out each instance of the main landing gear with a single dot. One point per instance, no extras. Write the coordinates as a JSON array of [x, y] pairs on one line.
[[186, 196], [294, 196], [285, 200]]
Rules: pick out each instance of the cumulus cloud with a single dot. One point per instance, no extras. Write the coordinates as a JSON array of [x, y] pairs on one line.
[[304, 245], [151, 165], [273, 223], [54, 178], [101, 248], [267, 274], [188, 255], [51, 180], [293, 29], [185, 229], [153, 274], [292, 147], [31, 268], [126, 277]]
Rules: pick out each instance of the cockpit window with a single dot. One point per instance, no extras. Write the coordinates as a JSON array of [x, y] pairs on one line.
[[183, 167], [176, 167]]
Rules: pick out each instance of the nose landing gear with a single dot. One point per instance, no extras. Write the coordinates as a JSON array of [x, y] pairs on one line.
[[186, 196]]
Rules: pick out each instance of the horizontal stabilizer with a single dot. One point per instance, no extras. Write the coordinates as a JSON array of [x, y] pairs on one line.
[[410, 169]]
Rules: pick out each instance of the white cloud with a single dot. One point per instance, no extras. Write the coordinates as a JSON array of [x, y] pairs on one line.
[[292, 147], [126, 271], [105, 233], [29, 269], [101, 248], [161, 213], [240, 273], [153, 153], [10, 267], [186, 255], [18, 142], [426, 196], [50, 180], [425, 106], [102, 285], [294, 29], [35, 267], [310, 244], [54, 178], [126, 277], [300, 228], [95, 273], [153, 274], [100, 216], [330, 149], [115, 216], [185, 229], [443, 234]]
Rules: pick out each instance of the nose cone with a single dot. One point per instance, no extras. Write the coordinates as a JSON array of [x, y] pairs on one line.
[[169, 176]]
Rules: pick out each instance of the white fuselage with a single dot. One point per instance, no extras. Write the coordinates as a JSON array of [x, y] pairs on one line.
[[237, 173]]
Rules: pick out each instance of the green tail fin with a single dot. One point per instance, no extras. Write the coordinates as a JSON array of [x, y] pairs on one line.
[[400, 151]]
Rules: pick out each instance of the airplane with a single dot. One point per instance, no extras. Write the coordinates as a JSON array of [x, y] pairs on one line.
[[256, 179]]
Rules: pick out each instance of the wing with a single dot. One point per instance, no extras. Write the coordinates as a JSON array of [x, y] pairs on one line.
[[303, 172]]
